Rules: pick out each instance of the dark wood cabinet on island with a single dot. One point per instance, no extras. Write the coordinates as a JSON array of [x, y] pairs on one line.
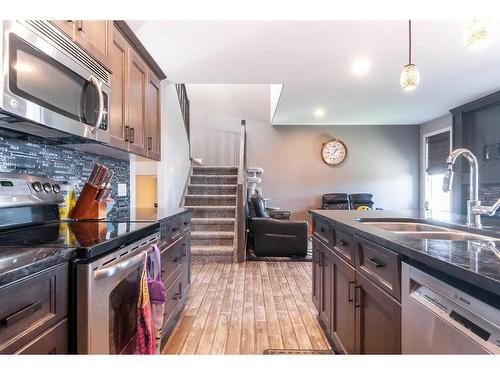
[[356, 289]]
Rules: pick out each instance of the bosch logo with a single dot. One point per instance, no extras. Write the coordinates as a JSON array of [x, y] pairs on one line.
[[462, 299]]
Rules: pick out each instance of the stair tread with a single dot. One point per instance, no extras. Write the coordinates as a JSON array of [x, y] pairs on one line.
[[214, 167], [214, 250], [218, 220], [214, 208], [208, 185], [212, 234], [214, 175], [210, 196]]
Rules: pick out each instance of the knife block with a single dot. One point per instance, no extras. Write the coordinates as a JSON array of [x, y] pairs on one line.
[[89, 206]]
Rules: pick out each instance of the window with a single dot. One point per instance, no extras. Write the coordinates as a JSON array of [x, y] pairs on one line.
[[437, 149]]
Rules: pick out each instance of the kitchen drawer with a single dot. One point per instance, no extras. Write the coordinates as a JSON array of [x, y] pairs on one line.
[[174, 299], [379, 264], [323, 231], [344, 245], [174, 229], [52, 341], [185, 223], [171, 263], [30, 306]]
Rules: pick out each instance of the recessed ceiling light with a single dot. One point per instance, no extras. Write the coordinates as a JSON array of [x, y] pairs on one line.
[[360, 67], [319, 113]]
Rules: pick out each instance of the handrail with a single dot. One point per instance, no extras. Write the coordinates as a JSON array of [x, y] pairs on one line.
[[184, 103], [241, 197]]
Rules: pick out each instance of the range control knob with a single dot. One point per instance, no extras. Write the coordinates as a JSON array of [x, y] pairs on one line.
[[47, 187], [56, 188], [37, 186]]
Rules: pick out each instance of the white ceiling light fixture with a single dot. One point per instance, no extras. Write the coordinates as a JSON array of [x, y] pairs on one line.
[[410, 77], [360, 67], [478, 34], [319, 113]]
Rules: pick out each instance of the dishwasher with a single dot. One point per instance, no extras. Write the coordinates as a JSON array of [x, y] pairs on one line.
[[438, 318]]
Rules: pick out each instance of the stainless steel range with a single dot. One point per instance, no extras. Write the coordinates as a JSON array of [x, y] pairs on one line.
[[108, 259]]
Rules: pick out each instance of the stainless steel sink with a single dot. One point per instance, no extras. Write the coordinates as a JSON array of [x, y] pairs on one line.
[[428, 231], [450, 235], [394, 226]]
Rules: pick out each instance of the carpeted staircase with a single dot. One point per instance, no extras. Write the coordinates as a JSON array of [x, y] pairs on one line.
[[211, 194]]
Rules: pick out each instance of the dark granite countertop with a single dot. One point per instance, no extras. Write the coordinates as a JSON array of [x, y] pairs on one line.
[[27, 251], [475, 262], [16, 263]]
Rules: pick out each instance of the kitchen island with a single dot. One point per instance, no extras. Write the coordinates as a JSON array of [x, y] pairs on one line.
[[357, 270]]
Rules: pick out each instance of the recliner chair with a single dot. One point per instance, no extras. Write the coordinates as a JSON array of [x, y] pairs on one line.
[[361, 200], [272, 231], [335, 201]]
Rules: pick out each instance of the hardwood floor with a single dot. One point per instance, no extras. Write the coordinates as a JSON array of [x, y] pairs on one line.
[[246, 308]]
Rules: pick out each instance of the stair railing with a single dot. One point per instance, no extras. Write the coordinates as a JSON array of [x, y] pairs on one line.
[[184, 104], [241, 197]]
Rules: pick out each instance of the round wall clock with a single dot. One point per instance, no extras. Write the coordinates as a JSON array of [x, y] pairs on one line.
[[333, 152]]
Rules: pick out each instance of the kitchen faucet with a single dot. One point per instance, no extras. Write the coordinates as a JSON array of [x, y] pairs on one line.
[[474, 208]]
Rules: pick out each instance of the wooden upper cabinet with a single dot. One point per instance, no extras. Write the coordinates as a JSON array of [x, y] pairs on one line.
[[119, 53], [136, 103], [153, 116], [66, 26], [93, 36]]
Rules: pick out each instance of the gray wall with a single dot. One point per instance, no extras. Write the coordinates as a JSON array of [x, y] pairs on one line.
[[383, 160]]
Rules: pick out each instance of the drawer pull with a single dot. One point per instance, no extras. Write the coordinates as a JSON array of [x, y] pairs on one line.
[[175, 229], [186, 223], [343, 243], [377, 263], [357, 296], [176, 259], [320, 258], [177, 296], [20, 315]]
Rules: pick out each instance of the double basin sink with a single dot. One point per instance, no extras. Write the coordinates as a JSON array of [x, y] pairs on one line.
[[421, 230]]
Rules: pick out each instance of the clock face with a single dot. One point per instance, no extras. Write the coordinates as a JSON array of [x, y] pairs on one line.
[[334, 152]]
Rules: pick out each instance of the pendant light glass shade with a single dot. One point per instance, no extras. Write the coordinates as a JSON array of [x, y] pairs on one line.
[[410, 77], [478, 34]]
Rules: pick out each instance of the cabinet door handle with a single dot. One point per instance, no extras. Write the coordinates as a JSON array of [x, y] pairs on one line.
[[127, 130], [377, 263], [343, 243], [320, 261], [132, 135], [24, 313], [184, 252], [350, 295], [150, 143], [357, 296], [79, 26]]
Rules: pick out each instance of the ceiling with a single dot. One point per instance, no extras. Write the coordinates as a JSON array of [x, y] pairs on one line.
[[312, 59]]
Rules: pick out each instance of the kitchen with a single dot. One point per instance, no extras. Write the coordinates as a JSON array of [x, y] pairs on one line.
[[140, 178]]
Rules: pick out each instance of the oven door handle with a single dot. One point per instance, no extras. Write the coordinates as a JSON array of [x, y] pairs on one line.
[[98, 86], [110, 271]]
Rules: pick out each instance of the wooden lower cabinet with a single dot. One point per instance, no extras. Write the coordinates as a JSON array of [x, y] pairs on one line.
[[357, 314], [343, 311], [378, 319]]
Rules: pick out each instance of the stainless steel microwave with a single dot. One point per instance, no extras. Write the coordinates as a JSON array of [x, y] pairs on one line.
[[49, 86]]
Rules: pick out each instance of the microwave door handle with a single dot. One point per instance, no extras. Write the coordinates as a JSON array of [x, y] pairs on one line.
[[98, 86]]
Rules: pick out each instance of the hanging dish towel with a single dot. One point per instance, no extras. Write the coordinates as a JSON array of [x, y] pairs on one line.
[[157, 294], [145, 343]]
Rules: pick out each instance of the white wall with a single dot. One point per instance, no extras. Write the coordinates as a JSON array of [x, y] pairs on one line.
[[436, 125], [216, 114], [173, 169]]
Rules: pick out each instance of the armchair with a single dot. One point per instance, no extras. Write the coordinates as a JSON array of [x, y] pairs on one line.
[[272, 231]]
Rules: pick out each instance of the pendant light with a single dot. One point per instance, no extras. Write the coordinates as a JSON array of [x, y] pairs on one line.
[[410, 77], [478, 34]]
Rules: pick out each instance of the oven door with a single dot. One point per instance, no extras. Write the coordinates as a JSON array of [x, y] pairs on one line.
[[107, 294], [45, 84]]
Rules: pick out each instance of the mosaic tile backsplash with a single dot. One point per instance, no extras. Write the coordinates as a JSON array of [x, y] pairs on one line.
[[37, 156]]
